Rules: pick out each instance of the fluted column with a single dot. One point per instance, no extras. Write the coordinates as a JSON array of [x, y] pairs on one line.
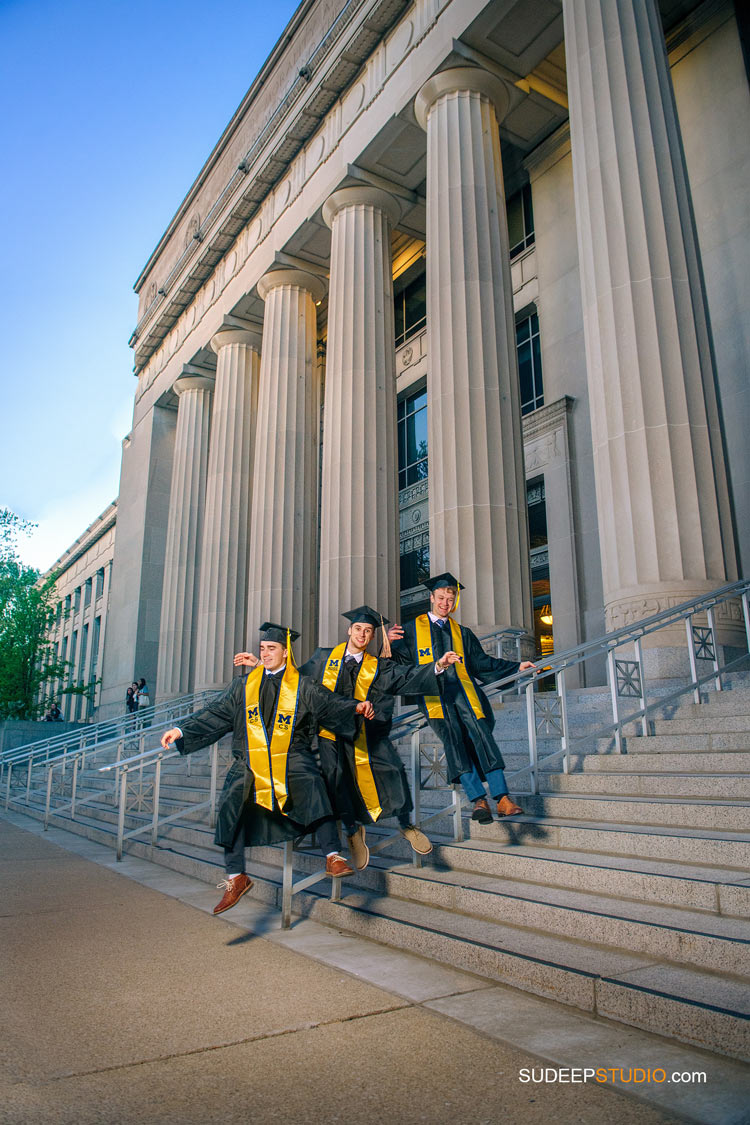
[[478, 524], [284, 525], [184, 536], [359, 499], [662, 497], [226, 529]]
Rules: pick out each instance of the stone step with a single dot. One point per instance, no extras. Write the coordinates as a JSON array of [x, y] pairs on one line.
[[725, 786], [666, 812], [692, 743], [703, 724], [735, 762], [662, 882], [684, 845]]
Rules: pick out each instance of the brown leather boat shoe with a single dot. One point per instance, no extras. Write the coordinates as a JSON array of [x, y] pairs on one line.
[[236, 887], [417, 839], [506, 807], [337, 866], [358, 849], [482, 811]]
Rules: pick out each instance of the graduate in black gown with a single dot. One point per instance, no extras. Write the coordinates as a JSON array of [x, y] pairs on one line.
[[364, 774], [460, 713], [274, 789]]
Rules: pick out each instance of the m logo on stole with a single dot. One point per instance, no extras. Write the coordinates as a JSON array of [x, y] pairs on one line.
[[334, 663], [252, 714], [284, 721], [424, 651]]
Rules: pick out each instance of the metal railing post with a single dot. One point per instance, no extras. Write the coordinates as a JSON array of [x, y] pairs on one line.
[[121, 810], [693, 660], [286, 885], [49, 797], [336, 889], [7, 787], [715, 646], [28, 779], [157, 787], [531, 727], [416, 786], [612, 673], [458, 824], [642, 675], [73, 788], [564, 737], [214, 778], [746, 615]]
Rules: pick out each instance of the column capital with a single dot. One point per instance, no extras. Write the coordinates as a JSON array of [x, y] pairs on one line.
[[462, 78], [361, 196], [231, 335], [189, 382], [314, 285]]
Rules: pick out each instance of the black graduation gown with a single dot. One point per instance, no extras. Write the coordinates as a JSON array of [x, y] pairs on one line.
[[466, 739], [308, 803], [337, 758]]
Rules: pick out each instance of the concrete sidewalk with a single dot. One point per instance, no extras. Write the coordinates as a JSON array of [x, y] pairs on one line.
[[121, 1002]]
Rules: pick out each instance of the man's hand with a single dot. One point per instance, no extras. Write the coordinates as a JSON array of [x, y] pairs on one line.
[[246, 660], [448, 658], [170, 736], [366, 709], [526, 665], [395, 633]]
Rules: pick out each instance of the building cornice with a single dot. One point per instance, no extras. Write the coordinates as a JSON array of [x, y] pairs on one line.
[[350, 40], [86, 540]]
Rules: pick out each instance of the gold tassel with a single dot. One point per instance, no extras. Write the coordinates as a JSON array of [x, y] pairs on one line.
[[385, 648], [289, 653]]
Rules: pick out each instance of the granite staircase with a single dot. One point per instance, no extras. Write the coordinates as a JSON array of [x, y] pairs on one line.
[[624, 890]]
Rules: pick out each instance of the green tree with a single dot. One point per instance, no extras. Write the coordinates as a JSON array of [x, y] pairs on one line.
[[26, 613]]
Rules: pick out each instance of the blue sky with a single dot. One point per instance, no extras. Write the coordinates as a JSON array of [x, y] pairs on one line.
[[107, 113]]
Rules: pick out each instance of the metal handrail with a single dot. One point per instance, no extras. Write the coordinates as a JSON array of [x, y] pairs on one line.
[[108, 729], [702, 644], [633, 679]]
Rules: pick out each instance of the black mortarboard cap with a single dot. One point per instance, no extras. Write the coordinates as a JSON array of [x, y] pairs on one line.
[[367, 615], [441, 580], [271, 632]]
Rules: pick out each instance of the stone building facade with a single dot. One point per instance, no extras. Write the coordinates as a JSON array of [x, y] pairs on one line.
[[462, 285], [82, 590]]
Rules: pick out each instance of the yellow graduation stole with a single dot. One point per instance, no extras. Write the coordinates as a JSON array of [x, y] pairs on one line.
[[425, 656], [366, 674], [267, 759]]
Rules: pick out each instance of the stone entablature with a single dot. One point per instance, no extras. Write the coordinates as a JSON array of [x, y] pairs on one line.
[[209, 270], [331, 43]]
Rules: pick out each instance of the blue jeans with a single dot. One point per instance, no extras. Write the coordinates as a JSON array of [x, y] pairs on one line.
[[474, 788]]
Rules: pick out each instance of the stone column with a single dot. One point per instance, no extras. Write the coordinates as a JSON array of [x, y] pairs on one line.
[[284, 526], [222, 603], [478, 523], [184, 536], [662, 498], [359, 499]]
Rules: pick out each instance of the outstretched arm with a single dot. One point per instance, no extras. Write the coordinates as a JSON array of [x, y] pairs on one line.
[[207, 726]]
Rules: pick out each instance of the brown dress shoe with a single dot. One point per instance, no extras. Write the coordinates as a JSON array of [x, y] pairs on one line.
[[419, 842], [337, 866], [482, 811], [358, 849], [506, 807], [235, 888]]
